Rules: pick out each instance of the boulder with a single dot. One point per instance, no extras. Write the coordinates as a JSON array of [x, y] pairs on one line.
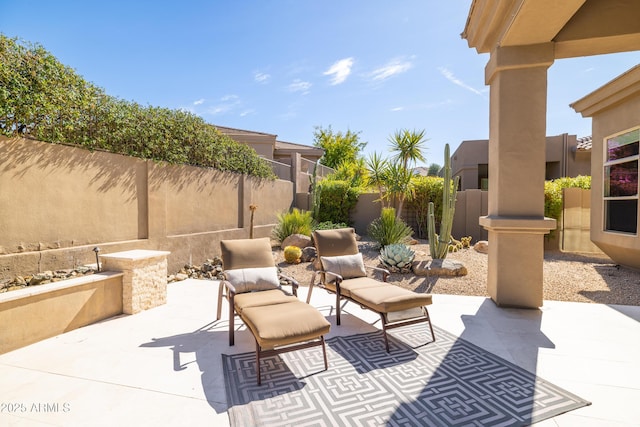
[[299, 240], [439, 267], [309, 254], [482, 246]]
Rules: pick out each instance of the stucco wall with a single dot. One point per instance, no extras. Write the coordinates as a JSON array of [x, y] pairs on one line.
[[561, 159], [35, 313], [622, 248], [58, 202]]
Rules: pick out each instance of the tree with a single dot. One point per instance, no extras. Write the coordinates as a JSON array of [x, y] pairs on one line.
[[338, 147], [434, 169]]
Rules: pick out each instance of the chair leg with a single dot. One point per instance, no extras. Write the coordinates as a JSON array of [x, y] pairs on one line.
[[324, 354], [384, 331], [338, 308], [258, 363], [220, 293], [232, 316], [313, 280], [433, 336]]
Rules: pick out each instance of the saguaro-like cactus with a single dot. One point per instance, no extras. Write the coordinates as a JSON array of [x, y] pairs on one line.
[[439, 243], [315, 194]]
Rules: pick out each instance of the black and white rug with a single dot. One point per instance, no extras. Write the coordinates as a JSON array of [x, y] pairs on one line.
[[450, 382]]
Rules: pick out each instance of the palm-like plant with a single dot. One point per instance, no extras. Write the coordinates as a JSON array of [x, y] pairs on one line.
[[409, 146], [398, 184], [378, 170]]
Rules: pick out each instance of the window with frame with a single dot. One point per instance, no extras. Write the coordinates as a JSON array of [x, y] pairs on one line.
[[621, 182]]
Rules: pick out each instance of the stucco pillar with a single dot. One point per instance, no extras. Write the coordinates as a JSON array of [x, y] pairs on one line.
[[515, 222]]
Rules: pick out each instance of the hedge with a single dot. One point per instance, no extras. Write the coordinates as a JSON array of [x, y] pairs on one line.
[[42, 98]]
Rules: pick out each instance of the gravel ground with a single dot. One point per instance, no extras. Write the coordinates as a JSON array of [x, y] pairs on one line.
[[577, 277]]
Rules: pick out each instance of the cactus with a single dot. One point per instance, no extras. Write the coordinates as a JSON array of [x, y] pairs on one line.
[[466, 242], [439, 243], [315, 190], [397, 257], [292, 254]]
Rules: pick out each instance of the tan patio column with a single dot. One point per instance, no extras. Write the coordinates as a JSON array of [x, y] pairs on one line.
[[515, 222]]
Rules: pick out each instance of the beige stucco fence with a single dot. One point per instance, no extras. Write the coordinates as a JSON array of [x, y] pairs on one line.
[[572, 235], [59, 202]]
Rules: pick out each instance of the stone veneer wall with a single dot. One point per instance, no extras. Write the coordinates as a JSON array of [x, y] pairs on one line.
[[144, 283]]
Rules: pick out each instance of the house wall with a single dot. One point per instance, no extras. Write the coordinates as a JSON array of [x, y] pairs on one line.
[[622, 248], [59, 202], [561, 156]]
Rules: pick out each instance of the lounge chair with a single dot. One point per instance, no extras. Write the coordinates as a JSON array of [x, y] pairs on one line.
[[278, 320], [341, 270]]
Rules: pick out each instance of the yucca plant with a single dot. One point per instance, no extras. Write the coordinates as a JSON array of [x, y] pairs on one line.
[[294, 222], [397, 257], [389, 229]]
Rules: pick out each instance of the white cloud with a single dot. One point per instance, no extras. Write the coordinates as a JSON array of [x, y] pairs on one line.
[[397, 109], [392, 68], [300, 86], [453, 79], [261, 77], [199, 101], [227, 103], [339, 71]]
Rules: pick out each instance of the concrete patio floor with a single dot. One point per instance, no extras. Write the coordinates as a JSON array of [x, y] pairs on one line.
[[163, 366]]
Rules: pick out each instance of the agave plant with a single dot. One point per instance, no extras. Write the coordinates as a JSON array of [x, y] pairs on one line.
[[397, 257]]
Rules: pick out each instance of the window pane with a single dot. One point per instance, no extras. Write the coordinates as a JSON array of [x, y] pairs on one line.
[[622, 146], [622, 215], [621, 179]]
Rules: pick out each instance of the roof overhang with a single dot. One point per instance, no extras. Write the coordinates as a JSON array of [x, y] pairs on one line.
[[613, 93], [575, 27]]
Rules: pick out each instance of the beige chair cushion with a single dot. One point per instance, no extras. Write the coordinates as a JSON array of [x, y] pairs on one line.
[[347, 286], [247, 253], [336, 242], [253, 279], [258, 299], [347, 266], [389, 298], [284, 324]]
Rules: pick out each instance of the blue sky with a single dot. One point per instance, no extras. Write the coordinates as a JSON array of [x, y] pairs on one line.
[[286, 66]]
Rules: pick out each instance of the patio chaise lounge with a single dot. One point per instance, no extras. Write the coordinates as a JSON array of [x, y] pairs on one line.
[[342, 271], [278, 321]]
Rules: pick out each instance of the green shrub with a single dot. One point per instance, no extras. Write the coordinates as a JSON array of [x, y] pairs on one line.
[[328, 225], [41, 97], [387, 229], [553, 193], [294, 222], [337, 198], [426, 189]]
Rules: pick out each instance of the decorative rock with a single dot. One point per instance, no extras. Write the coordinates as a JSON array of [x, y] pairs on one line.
[[181, 276], [482, 246], [309, 254], [439, 267], [299, 240]]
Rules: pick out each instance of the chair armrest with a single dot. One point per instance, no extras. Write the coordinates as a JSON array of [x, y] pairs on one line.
[[336, 275], [385, 273], [294, 283], [230, 287]]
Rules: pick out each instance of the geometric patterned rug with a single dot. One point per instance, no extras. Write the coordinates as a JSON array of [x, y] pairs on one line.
[[449, 382]]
